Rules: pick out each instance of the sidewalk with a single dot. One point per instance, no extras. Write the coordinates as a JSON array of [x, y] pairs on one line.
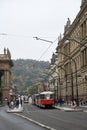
[[68, 108], [19, 109]]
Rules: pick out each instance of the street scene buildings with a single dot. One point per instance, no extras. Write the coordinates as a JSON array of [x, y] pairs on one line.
[[66, 83], [68, 68]]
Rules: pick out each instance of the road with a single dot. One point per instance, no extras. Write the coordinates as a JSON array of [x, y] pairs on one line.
[[54, 118], [10, 121]]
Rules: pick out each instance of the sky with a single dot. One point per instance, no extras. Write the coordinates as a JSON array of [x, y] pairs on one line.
[[22, 20]]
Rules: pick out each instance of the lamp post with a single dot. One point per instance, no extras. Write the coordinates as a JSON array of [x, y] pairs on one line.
[[76, 75], [66, 83], [37, 38], [85, 47], [57, 83], [77, 41], [65, 79]]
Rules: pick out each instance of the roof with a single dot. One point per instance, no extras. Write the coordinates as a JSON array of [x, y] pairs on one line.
[[46, 92]]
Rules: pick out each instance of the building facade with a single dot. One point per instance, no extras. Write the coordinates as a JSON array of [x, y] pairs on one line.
[[69, 67], [5, 74]]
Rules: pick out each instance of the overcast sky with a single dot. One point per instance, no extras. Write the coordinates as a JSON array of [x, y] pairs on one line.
[[21, 20]]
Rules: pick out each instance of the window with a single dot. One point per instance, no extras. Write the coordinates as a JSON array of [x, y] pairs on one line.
[[84, 57], [83, 29]]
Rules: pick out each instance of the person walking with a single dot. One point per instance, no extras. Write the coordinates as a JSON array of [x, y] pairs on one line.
[[74, 105]]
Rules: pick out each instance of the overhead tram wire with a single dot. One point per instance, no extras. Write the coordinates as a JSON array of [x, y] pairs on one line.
[[47, 49], [14, 35]]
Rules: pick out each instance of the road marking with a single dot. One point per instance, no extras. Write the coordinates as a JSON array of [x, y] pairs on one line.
[[42, 125]]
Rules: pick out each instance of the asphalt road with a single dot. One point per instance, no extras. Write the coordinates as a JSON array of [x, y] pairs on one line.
[[10, 121], [53, 118]]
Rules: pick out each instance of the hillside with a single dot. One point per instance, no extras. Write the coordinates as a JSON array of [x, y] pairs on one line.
[[28, 72]]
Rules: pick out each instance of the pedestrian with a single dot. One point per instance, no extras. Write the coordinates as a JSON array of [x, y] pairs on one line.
[[74, 105], [21, 102], [17, 102], [12, 104], [8, 103]]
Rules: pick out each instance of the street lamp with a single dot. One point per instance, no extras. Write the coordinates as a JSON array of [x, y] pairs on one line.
[[77, 41], [66, 83], [65, 79], [37, 38], [85, 47], [76, 75]]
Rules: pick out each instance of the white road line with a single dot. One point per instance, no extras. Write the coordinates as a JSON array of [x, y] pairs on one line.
[[42, 125]]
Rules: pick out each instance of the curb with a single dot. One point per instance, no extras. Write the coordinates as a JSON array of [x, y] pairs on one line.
[[1, 105], [80, 110], [85, 111], [69, 109], [15, 110]]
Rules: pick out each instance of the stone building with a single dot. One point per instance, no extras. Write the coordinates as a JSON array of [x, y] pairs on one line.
[[5, 74], [69, 68]]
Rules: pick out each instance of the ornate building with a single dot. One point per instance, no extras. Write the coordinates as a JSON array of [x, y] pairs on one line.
[[70, 64], [5, 74]]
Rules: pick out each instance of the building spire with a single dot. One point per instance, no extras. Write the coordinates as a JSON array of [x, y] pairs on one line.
[[83, 1]]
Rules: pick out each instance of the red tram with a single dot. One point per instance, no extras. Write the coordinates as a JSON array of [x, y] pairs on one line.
[[44, 99]]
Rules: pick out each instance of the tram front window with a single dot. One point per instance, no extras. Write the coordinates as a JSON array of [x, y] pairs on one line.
[[47, 96], [51, 96], [42, 96]]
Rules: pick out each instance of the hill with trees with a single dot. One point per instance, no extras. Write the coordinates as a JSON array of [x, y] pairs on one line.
[[26, 73]]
